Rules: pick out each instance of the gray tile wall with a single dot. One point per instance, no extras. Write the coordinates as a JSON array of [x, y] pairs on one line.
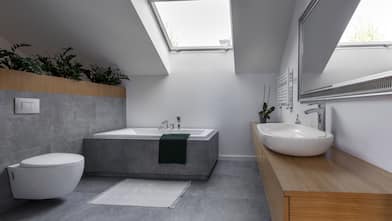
[[60, 127]]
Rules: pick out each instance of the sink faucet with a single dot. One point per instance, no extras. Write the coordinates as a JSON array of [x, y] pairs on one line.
[[320, 110], [164, 124]]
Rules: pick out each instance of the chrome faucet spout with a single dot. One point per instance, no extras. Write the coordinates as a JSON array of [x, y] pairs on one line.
[[320, 110], [313, 110]]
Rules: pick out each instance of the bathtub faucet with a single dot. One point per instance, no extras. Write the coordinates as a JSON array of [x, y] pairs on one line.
[[178, 122], [164, 124]]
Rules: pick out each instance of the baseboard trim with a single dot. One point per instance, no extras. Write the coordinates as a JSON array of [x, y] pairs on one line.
[[237, 157]]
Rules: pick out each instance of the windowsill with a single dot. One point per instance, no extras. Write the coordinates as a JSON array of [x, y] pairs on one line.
[[365, 45], [202, 50]]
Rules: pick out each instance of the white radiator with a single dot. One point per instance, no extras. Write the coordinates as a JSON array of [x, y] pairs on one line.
[[285, 90]]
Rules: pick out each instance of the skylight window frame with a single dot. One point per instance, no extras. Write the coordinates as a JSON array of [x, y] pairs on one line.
[[173, 48]]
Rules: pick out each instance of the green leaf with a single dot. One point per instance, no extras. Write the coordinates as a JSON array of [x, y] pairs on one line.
[[14, 47], [265, 106], [265, 112]]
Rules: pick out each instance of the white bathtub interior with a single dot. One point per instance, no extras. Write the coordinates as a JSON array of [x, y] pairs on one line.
[[154, 133]]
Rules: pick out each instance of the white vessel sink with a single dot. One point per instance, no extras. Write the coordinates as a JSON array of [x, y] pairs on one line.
[[295, 140]]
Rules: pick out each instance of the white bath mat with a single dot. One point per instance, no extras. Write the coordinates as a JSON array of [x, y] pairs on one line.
[[146, 193]]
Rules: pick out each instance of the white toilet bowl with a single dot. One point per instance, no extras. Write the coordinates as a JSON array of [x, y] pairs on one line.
[[46, 176]]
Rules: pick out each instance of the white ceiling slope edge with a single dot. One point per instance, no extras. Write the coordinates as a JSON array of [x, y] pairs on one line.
[[152, 27], [104, 32], [260, 30]]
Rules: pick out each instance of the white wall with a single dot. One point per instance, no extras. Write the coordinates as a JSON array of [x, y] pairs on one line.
[[4, 43], [205, 91], [361, 127]]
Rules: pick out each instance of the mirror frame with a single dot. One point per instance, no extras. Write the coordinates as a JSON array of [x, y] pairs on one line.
[[372, 85]]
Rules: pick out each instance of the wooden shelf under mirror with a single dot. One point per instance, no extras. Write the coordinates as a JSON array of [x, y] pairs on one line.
[[332, 187]]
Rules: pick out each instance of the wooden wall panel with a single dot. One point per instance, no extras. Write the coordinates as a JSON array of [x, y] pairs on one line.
[[24, 81]]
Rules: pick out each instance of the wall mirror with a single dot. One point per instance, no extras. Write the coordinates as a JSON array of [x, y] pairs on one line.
[[345, 49]]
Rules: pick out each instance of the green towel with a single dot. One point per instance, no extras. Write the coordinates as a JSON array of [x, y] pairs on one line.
[[172, 148]]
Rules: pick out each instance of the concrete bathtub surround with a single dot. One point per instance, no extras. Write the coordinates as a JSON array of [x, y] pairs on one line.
[[133, 152]]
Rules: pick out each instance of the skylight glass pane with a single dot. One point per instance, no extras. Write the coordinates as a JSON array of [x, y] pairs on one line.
[[370, 23], [196, 23]]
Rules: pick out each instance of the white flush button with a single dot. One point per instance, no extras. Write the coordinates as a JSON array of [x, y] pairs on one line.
[[27, 106]]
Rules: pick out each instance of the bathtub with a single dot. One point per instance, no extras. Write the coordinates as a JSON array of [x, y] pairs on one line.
[[134, 153], [154, 133]]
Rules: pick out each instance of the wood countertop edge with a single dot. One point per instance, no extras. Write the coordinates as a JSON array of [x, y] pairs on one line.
[[341, 195]]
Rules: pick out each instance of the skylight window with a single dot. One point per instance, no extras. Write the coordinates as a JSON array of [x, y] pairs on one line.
[[195, 24], [370, 24]]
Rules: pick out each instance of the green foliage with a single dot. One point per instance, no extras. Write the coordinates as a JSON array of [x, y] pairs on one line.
[[105, 75], [62, 65], [366, 33], [11, 60], [266, 111]]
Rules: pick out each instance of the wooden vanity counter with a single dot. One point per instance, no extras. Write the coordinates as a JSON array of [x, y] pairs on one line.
[[334, 186]]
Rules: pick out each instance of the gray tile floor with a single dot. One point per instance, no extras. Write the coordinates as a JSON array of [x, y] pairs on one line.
[[234, 192]]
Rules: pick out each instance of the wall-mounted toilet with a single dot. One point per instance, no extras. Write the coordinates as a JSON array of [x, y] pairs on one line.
[[46, 176]]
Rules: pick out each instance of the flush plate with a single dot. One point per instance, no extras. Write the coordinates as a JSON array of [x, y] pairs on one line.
[[27, 106]]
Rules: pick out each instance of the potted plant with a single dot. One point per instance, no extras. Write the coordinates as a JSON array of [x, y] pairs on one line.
[[64, 64], [264, 114], [10, 59], [266, 111]]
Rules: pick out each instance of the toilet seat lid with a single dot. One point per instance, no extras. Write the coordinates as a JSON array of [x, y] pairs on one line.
[[52, 159]]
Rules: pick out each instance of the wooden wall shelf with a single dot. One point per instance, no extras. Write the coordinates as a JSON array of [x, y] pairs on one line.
[[332, 187], [24, 81]]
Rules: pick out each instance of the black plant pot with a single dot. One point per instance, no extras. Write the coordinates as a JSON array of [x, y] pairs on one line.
[[262, 119]]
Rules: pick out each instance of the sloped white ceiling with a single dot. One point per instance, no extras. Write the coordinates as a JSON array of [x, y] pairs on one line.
[[322, 32], [103, 31], [112, 32], [260, 30]]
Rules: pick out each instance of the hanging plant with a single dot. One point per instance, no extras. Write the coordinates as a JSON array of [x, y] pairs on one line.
[[105, 75], [10, 59]]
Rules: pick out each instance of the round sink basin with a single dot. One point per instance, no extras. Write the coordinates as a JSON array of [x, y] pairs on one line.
[[295, 140]]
